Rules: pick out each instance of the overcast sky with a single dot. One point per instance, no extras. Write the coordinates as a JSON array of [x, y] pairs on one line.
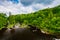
[[26, 6]]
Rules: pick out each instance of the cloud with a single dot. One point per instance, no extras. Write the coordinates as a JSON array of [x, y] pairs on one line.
[[7, 6], [14, 8]]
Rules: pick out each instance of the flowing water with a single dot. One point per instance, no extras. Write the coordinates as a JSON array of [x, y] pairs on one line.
[[23, 34]]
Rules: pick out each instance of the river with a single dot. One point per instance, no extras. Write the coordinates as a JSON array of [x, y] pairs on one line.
[[23, 34]]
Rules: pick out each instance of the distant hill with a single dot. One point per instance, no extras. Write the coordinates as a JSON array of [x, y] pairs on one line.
[[47, 20]]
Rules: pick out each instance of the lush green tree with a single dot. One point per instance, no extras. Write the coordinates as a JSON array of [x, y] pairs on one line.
[[3, 20], [11, 19], [46, 19]]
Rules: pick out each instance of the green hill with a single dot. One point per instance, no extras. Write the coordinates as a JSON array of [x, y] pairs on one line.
[[46, 19]]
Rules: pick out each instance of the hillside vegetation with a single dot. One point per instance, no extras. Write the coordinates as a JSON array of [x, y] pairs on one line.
[[47, 20]]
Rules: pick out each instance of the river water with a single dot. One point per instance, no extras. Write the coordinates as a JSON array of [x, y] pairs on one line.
[[23, 34]]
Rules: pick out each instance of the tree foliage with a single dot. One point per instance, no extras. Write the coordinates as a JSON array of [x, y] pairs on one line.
[[3, 20], [47, 19]]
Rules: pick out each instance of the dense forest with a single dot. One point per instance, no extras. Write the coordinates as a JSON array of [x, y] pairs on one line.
[[47, 20]]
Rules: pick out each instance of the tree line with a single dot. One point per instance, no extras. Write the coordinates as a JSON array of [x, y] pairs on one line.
[[46, 19]]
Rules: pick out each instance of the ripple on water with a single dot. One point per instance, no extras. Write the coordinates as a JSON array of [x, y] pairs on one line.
[[24, 34]]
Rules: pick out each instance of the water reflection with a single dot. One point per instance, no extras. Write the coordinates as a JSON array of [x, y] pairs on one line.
[[23, 34]]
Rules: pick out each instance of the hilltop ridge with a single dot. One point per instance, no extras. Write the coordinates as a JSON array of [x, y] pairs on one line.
[[47, 20]]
